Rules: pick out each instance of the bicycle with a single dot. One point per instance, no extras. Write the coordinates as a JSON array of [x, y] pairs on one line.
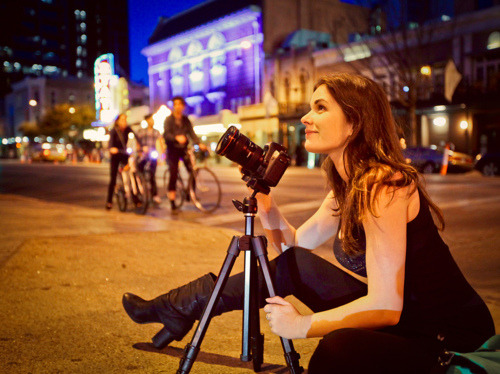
[[203, 186], [145, 170], [132, 184]]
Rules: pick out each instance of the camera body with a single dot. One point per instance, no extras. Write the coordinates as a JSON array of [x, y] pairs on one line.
[[262, 168], [276, 161]]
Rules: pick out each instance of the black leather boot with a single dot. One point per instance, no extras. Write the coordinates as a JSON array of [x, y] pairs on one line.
[[177, 309], [140, 310]]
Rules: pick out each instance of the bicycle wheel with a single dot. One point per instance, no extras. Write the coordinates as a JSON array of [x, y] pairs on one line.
[[121, 199], [180, 194], [204, 189], [121, 196], [142, 193]]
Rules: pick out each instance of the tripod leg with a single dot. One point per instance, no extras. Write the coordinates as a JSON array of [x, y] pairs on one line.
[[252, 339], [192, 349], [259, 248]]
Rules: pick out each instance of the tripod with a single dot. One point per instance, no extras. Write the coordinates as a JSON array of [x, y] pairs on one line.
[[255, 248]]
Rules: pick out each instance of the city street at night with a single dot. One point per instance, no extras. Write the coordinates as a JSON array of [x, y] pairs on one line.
[[65, 262], [98, 92]]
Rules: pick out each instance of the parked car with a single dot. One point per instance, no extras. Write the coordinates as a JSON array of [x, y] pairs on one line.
[[48, 152], [430, 159], [488, 164]]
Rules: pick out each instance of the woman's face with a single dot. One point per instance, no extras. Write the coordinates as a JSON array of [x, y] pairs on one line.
[[122, 121], [327, 129]]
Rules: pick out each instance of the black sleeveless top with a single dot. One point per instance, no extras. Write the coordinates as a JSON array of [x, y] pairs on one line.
[[438, 300]]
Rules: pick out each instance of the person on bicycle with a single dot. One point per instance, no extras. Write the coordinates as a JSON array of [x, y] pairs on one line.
[[118, 137], [178, 128], [149, 137]]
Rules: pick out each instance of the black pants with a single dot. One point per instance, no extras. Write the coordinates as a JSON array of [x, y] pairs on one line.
[[152, 174], [116, 160], [322, 286], [173, 157]]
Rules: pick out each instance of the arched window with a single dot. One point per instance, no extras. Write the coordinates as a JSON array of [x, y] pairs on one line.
[[196, 75], [216, 41], [177, 78], [194, 48], [175, 54], [218, 70]]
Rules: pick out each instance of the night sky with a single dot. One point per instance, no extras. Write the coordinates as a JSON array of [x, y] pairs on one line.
[[143, 17]]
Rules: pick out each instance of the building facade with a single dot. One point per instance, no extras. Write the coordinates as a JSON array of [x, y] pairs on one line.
[[215, 55], [58, 38], [465, 116], [32, 97]]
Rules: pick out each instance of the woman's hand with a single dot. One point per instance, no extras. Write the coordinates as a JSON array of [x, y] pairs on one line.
[[265, 202], [285, 320]]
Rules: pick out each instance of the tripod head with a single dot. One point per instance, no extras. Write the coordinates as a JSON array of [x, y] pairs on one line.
[[248, 206]]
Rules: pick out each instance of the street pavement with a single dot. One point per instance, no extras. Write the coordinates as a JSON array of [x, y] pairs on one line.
[[64, 268]]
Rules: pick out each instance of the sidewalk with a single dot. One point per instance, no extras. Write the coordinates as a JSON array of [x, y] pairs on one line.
[[63, 270]]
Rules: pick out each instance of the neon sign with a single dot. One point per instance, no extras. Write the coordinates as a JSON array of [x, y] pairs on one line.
[[105, 79]]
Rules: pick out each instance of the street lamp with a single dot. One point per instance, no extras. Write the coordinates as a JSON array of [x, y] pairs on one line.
[[71, 110], [464, 125], [425, 70], [33, 102]]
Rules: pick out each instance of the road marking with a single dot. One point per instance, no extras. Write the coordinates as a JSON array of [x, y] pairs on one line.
[[315, 204], [468, 202], [236, 216]]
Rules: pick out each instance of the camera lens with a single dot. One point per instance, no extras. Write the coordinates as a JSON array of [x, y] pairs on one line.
[[238, 148]]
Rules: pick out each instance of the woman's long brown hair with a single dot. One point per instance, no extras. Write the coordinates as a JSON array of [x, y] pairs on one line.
[[373, 158]]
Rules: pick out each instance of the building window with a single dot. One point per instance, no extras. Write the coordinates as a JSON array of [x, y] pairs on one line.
[[194, 48], [287, 89], [216, 41], [239, 57], [218, 71], [177, 83], [303, 84], [493, 40], [175, 54], [196, 79]]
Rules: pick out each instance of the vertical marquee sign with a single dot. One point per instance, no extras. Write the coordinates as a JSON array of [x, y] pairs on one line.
[[105, 80]]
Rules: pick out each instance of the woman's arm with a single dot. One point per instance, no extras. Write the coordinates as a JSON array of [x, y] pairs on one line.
[[385, 262], [282, 235]]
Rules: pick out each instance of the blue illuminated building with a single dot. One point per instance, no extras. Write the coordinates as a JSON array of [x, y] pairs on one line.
[[214, 60]]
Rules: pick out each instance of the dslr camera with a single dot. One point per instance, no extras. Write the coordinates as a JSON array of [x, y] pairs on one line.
[[262, 168]]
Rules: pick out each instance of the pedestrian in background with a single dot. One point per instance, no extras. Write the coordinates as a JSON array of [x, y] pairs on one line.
[[152, 146], [118, 138], [178, 132]]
